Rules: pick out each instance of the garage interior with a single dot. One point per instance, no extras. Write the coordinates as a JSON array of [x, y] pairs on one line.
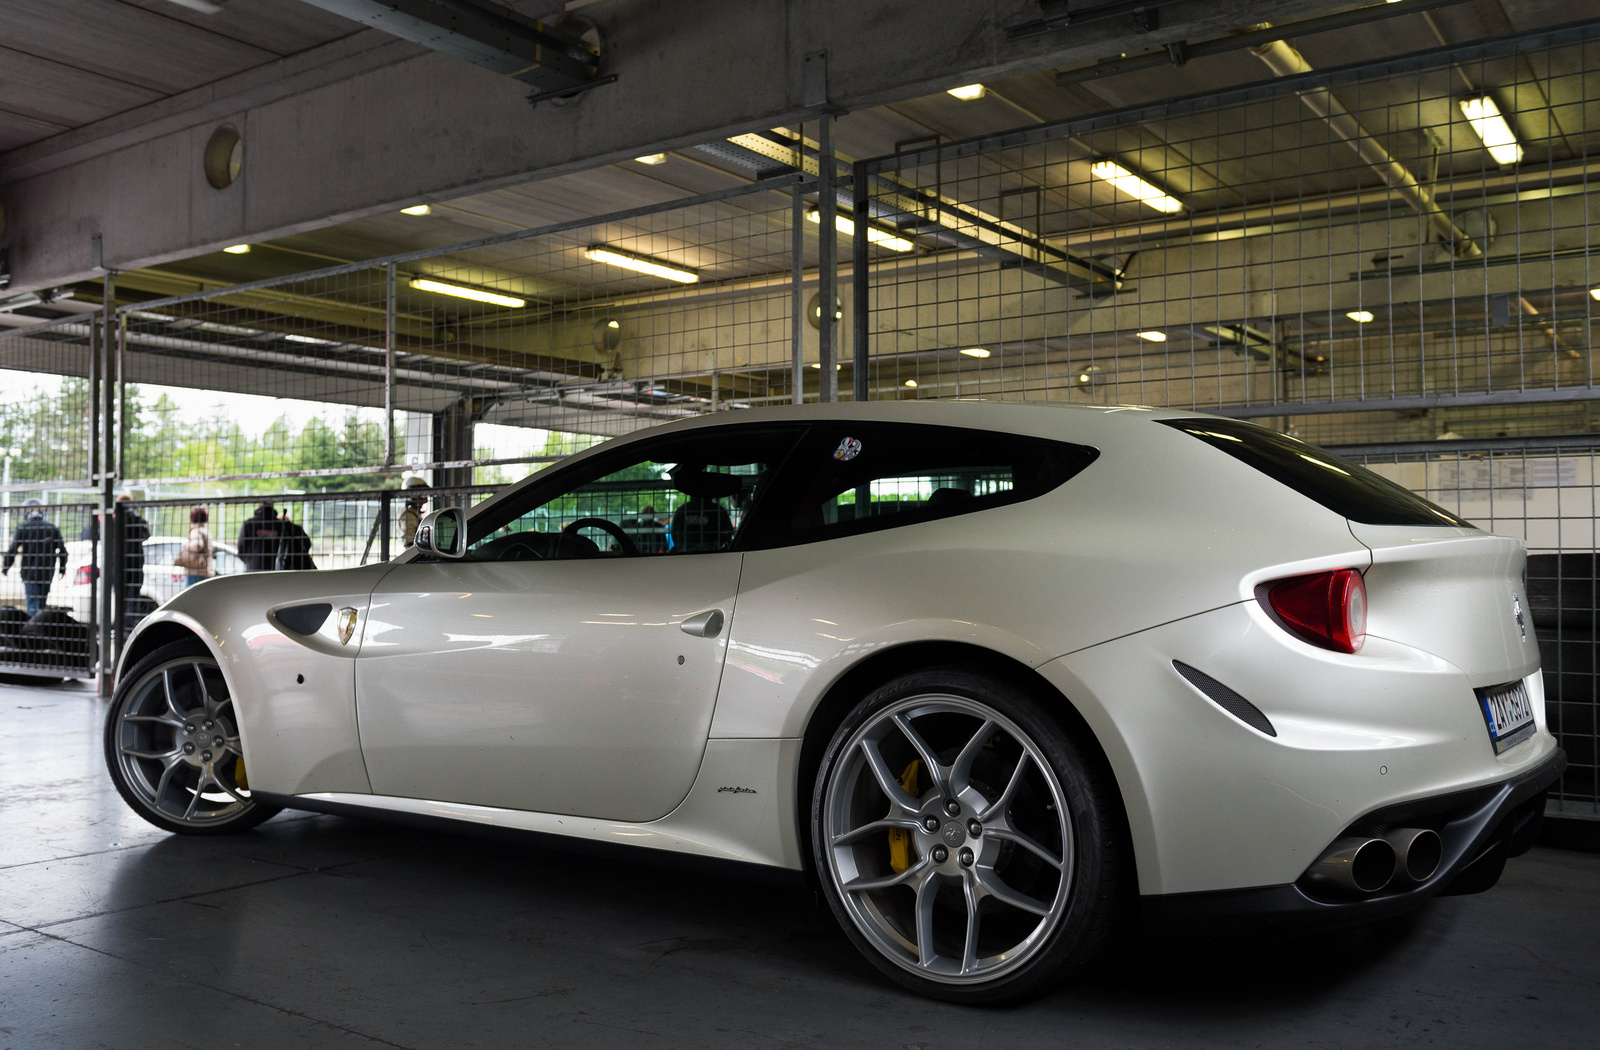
[[1367, 225]]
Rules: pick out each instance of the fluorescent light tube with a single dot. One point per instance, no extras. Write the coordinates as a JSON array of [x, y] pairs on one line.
[[237, 249], [912, 383], [652, 158], [846, 225], [968, 92], [975, 351], [417, 209], [1485, 118], [1153, 337], [310, 341], [1134, 186], [640, 263], [477, 295], [1360, 316]]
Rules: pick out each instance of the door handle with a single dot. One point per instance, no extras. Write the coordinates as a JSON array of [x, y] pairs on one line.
[[703, 625]]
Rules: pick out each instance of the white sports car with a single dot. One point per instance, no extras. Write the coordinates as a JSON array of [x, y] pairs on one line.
[[990, 673]]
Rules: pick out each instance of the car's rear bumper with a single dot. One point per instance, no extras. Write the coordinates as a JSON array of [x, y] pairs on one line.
[[1481, 828]]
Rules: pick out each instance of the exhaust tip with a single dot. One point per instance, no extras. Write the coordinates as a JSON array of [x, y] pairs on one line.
[[1418, 852], [1365, 865]]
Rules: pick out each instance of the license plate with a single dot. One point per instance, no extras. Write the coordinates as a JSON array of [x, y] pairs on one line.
[[1508, 713]]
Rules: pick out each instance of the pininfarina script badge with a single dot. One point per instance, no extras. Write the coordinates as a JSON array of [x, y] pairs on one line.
[[1516, 608]]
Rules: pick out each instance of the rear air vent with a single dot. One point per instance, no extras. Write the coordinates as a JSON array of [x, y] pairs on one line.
[[1226, 698], [303, 619]]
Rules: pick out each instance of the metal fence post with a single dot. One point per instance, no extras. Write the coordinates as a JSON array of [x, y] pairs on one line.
[[797, 297], [107, 477], [827, 263], [388, 368], [859, 282]]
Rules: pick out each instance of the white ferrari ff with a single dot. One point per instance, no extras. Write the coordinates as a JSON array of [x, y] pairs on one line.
[[990, 673]]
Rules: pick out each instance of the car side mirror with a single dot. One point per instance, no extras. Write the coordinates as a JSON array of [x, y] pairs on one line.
[[443, 533]]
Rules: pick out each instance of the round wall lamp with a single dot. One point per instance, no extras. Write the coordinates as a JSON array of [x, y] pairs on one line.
[[814, 310], [607, 333], [224, 156]]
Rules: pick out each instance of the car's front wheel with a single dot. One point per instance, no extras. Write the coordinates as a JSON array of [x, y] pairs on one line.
[[966, 841], [172, 745]]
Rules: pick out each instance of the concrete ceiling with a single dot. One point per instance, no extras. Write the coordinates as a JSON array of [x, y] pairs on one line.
[[1215, 169]]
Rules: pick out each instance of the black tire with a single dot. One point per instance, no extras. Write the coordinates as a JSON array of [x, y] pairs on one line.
[[1011, 867], [172, 745]]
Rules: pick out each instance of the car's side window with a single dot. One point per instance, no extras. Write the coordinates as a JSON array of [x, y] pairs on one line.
[[861, 478], [687, 495]]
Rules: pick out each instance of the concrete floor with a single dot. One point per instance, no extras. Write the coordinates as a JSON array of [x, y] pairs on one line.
[[318, 931]]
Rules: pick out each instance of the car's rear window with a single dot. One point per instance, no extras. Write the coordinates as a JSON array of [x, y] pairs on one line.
[[1346, 488]]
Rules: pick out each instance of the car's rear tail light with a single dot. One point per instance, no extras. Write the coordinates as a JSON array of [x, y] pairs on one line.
[[1325, 608], [84, 575]]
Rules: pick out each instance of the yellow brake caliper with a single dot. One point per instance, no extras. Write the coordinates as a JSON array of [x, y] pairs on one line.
[[239, 780], [899, 838]]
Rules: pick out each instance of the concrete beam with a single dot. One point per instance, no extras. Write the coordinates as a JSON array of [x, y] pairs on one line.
[[368, 123]]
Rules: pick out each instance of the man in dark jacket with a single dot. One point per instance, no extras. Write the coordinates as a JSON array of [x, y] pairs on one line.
[[258, 538], [39, 543]]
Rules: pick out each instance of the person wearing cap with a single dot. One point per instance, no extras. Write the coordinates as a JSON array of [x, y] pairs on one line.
[[39, 543], [411, 517]]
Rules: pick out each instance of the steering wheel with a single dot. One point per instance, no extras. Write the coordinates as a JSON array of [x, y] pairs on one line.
[[611, 528]]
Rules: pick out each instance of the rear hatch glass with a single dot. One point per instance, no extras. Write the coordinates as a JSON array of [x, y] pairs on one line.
[[1344, 487]]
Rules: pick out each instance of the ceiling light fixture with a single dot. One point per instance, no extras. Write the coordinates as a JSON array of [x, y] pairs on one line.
[[461, 291], [417, 209], [846, 225], [968, 92], [652, 158], [1498, 139], [911, 383], [640, 263], [1360, 316], [1134, 186], [975, 351], [237, 249], [1153, 337], [309, 340], [1594, 293]]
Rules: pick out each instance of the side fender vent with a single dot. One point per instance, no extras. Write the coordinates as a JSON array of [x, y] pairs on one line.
[[303, 619], [1226, 698]]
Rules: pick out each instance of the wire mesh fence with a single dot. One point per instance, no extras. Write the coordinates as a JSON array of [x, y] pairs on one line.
[[1546, 495], [1407, 235]]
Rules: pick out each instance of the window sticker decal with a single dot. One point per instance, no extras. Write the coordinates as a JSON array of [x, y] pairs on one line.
[[848, 449]]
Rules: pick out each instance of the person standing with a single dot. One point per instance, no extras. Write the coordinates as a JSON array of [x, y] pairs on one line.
[[294, 547], [413, 513], [135, 530], [196, 552], [39, 543], [259, 537]]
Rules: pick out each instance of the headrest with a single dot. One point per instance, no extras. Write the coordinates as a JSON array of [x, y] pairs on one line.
[[692, 481], [946, 496]]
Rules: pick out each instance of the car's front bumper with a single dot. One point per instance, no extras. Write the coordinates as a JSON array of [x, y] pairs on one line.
[[1481, 828]]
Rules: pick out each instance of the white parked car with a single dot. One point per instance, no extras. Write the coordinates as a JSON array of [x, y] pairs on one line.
[[985, 670], [162, 579]]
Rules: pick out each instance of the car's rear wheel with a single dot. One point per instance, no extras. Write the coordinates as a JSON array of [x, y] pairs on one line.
[[172, 745], [965, 840]]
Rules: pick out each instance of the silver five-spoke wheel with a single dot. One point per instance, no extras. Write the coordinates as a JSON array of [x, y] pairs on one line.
[[172, 744], [945, 834]]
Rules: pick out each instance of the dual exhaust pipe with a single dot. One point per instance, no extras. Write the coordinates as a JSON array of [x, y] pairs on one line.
[[1367, 865]]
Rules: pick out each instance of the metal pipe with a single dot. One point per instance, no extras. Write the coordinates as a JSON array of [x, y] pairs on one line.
[[107, 469], [1362, 864], [1285, 61], [1417, 852]]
